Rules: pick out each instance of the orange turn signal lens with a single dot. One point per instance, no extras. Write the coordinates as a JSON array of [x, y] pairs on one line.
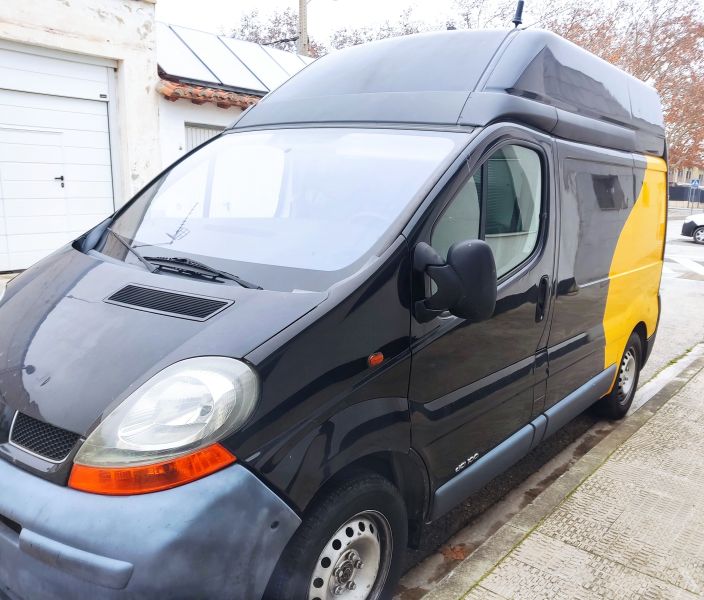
[[374, 360], [143, 479]]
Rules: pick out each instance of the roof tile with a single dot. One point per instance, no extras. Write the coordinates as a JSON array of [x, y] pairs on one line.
[[172, 90]]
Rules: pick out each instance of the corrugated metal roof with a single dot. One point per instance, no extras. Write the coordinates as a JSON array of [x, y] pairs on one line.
[[195, 56]]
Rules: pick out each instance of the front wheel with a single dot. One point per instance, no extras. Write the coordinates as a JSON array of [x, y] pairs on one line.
[[616, 404], [698, 236], [350, 546]]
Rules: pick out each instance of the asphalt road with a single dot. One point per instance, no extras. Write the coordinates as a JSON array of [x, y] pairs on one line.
[[456, 535]]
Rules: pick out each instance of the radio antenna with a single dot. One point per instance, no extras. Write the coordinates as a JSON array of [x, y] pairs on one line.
[[518, 17]]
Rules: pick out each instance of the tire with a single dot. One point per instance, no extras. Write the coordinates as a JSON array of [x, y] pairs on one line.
[[698, 235], [616, 404], [353, 539]]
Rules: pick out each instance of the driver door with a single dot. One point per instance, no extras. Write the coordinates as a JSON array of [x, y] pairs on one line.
[[474, 384]]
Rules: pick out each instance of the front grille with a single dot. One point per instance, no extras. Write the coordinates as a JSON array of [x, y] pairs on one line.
[[174, 304], [42, 439]]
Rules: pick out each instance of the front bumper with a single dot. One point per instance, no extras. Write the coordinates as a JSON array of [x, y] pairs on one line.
[[219, 537], [688, 228]]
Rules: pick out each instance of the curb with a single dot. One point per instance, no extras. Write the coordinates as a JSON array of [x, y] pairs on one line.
[[478, 565]]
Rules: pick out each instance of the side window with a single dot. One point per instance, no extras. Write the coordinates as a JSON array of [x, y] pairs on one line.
[[461, 219], [514, 191], [510, 203]]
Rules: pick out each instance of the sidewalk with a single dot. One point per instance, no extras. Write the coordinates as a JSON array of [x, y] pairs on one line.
[[677, 213], [627, 522]]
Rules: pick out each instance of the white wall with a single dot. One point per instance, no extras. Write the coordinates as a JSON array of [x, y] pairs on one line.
[[121, 30], [173, 117]]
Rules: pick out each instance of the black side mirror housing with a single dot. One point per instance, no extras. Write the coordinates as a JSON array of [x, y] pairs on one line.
[[466, 282]]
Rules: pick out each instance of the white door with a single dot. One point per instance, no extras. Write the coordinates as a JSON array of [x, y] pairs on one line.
[[55, 173]]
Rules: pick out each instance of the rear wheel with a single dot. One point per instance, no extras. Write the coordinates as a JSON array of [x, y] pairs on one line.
[[699, 235], [349, 547], [616, 404]]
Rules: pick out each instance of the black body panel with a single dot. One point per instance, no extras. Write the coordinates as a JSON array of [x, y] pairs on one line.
[[473, 385], [323, 407], [528, 76], [67, 357], [519, 444], [591, 220]]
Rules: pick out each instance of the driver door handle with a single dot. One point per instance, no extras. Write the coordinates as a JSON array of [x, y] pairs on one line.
[[542, 301]]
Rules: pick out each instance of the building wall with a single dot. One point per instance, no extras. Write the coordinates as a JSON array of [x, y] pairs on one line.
[[173, 117], [684, 175], [121, 30]]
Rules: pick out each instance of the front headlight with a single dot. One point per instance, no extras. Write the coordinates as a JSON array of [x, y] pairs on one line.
[[178, 415]]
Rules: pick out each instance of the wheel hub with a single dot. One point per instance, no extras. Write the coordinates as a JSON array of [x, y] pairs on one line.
[[345, 570]]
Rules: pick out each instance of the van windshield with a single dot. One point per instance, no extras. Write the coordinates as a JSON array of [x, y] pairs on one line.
[[289, 208]]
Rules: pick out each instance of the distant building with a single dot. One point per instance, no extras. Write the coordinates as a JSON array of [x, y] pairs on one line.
[[685, 175], [681, 188]]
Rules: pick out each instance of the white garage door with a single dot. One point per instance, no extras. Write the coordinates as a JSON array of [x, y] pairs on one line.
[[55, 170], [199, 134]]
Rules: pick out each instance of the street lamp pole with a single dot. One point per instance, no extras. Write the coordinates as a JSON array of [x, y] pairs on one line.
[[302, 45]]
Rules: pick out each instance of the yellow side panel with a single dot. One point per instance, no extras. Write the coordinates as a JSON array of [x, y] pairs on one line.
[[637, 265]]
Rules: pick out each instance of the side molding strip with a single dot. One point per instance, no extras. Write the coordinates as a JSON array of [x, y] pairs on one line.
[[474, 478], [540, 424], [578, 401], [510, 451]]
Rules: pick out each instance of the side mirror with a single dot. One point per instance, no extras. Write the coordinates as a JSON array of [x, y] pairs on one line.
[[466, 282]]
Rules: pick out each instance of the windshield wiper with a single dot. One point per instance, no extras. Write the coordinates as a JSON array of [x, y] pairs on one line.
[[187, 266], [150, 267]]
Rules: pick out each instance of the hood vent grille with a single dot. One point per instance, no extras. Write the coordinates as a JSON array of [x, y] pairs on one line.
[[185, 306], [41, 439]]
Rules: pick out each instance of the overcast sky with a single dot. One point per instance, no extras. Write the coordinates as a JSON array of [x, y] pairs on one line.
[[324, 16]]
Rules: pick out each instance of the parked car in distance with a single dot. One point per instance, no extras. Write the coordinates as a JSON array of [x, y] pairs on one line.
[[326, 327], [693, 227]]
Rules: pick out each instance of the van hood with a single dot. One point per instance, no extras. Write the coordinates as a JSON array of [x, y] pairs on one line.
[[67, 357]]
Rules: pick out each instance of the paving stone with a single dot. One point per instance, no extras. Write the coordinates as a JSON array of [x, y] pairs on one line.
[[542, 567], [633, 530], [481, 593]]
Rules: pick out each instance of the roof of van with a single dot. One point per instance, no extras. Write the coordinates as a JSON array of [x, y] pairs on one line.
[[473, 78]]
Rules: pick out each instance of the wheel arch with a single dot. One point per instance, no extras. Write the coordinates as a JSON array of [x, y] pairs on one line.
[[406, 471], [642, 332]]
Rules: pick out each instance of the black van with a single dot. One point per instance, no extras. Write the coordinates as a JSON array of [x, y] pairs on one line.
[[323, 329]]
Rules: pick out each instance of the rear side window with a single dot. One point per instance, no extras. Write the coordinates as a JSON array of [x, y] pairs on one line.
[[504, 195], [596, 199]]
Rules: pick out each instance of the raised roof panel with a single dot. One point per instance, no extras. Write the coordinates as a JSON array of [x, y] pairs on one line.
[[546, 68], [422, 78], [474, 78]]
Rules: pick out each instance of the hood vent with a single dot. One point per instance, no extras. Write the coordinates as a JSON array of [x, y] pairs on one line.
[[185, 306], [41, 439]]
